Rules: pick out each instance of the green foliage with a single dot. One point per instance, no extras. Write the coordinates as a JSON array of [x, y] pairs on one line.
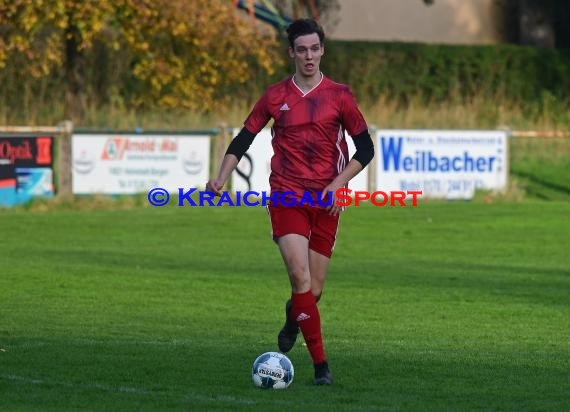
[[161, 53], [541, 167], [144, 55], [439, 73]]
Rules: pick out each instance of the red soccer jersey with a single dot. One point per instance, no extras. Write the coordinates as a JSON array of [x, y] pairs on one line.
[[309, 146]]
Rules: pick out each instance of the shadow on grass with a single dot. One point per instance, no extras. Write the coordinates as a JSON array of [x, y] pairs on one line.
[[542, 285], [220, 263], [539, 184]]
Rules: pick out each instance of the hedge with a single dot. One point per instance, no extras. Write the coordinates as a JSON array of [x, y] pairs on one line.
[[446, 72]]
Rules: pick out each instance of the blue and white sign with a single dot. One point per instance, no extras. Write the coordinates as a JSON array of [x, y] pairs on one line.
[[445, 164]]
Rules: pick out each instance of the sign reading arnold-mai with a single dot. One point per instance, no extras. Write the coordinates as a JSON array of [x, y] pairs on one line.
[[128, 164]]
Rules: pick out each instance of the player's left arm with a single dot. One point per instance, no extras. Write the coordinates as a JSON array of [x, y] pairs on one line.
[[354, 123], [353, 120], [364, 148], [363, 155]]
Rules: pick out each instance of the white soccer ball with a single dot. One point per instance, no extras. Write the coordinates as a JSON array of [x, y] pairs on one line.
[[272, 370]]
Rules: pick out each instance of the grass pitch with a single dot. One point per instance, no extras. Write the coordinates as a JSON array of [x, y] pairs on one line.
[[445, 306]]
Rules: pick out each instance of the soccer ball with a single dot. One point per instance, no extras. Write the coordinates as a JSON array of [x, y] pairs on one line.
[[272, 370]]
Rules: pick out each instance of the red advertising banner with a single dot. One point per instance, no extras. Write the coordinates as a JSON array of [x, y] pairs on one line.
[[26, 168]]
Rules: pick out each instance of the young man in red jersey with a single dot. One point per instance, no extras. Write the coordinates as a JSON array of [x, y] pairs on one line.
[[311, 114]]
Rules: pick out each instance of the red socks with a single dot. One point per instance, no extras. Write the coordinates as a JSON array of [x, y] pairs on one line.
[[304, 310]]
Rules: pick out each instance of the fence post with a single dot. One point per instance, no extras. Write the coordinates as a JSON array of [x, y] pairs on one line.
[[372, 184], [65, 160]]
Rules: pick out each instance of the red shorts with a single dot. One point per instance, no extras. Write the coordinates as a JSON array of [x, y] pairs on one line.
[[316, 224]]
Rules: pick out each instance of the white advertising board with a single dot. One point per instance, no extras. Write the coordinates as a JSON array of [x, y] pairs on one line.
[[446, 164], [253, 170], [129, 164]]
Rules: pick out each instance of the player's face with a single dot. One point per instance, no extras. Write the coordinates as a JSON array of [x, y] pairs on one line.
[[307, 53]]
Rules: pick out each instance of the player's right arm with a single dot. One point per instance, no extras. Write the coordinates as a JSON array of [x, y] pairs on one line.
[[234, 153], [256, 120]]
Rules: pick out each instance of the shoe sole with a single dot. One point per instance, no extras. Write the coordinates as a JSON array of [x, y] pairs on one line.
[[323, 381]]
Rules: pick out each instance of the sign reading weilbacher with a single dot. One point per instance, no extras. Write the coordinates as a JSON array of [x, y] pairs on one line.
[[128, 164], [443, 164]]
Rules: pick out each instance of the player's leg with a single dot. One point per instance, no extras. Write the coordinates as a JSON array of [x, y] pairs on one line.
[[295, 251], [288, 334], [292, 227], [324, 228], [321, 244], [318, 266], [286, 224]]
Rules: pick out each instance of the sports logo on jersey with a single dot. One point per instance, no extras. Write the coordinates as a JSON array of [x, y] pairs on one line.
[[284, 107]]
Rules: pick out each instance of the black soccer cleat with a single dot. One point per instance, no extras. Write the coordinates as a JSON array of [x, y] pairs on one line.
[[323, 375], [288, 334]]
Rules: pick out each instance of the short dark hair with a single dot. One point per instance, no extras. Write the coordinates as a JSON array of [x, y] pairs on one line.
[[303, 27]]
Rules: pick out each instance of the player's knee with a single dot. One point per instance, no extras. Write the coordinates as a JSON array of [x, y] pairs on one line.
[[300, 280]]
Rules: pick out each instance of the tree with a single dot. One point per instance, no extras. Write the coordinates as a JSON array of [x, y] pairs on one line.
[[320, 10], [536, 23], [44, 36], [181, 52]]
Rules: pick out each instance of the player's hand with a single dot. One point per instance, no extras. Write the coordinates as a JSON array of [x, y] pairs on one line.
[[214, 186], [330, 190]]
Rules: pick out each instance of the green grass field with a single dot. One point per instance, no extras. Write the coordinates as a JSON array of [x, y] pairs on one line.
[[455, 306]]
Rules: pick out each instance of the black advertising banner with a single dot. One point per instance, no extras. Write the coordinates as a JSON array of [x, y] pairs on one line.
[[26, 168]]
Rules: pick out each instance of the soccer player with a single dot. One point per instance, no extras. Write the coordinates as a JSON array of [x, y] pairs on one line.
[[310, 114]]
